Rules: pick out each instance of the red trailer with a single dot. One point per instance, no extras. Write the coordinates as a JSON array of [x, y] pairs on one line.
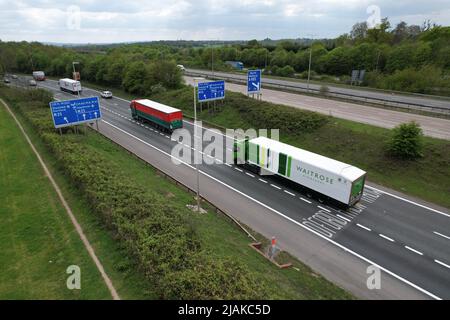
[[162, 116]]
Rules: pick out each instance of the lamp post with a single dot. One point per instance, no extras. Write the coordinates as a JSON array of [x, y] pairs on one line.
[[196, 80], [74, 72], [310, 59]]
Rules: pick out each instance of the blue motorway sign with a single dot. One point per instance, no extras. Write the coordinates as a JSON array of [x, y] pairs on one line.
[[73, 112], [208, 91], [254, 81]]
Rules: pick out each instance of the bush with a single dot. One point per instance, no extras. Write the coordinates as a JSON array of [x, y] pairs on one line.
[[324, 90], [406, 141]]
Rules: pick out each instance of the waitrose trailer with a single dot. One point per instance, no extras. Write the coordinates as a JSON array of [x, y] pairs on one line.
[[334, 179], [162, 116]]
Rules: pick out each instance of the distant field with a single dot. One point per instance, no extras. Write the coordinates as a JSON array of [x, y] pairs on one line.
[[37, 240]]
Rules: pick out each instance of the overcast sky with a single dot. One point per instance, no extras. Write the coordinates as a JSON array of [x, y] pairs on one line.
[[102, 21]]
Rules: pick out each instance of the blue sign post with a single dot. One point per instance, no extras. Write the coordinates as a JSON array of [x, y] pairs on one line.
[[73, 112], [209, 91], [254, 81]]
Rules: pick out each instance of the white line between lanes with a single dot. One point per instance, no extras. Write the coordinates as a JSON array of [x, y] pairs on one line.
[[442, 235], [348, 220], [289, 193], [249, 174], [263, 181], [276, 187], [324, 209], [363, 227], [442, 264], [307, 201], [387, 238], [414, 250]]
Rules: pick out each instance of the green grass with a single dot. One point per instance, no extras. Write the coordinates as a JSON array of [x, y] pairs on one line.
[[217, 234], [37, 240], [359, 144]]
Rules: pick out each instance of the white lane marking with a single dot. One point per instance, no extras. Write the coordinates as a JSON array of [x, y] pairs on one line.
[[323, 209], [188, 146], [348, 220], [219, 161], [210, 156], [363, 227], [263, 181], [228, 165], [276, 187], [240, 170], [249, 174], [288, 218], [442, 264], [414, 250], [387, 238], [442, 235], [307, 201], [411, 202], [167, 137], [289, 193]]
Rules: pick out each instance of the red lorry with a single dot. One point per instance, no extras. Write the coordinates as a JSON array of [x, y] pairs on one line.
[[163, 117]]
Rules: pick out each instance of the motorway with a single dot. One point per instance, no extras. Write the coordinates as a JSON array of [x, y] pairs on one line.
[[409, 242], [427, 101], [385, 118]]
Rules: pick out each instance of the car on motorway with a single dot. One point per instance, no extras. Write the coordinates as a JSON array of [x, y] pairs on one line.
[[14, 76], [6, 80], [106, 94], [32, 83], [181, 67]]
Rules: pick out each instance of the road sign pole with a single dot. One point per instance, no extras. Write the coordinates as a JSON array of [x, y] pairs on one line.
[[196, 147]]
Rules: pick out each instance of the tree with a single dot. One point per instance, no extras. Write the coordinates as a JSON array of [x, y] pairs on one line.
[[380, 34], [136, 78], [359, 31], [406, 141]]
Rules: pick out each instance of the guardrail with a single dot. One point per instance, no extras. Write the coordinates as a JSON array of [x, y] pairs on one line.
[[346, 96]]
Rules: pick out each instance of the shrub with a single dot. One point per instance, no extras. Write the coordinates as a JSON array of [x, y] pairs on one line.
[[406, 141], [324, 90]]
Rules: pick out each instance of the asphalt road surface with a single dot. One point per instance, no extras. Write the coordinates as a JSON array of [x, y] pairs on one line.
[[408, 241], [433, 127], [427, 101]]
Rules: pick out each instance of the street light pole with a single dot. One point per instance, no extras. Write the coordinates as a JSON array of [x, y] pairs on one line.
[[309, 69], [310, 59], [196, 144]]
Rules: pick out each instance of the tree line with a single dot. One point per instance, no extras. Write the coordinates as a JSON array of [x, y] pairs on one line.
[[405, 57]]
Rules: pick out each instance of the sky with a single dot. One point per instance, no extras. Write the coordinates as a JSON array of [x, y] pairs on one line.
[[110, 21]]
